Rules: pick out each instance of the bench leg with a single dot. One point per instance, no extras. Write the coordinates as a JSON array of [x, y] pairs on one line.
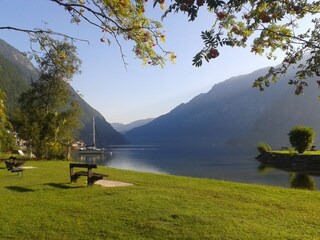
[[93, 179], [74, 178]]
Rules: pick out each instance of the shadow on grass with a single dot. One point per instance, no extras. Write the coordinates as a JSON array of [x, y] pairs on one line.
[[19, 189], [61, 186]]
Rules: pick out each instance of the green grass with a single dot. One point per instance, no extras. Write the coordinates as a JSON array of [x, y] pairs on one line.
[[44, 205], [295, 152], [7, 155]]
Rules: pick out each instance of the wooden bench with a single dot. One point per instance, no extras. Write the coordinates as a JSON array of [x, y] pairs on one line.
[[91, 176], [13, 165]]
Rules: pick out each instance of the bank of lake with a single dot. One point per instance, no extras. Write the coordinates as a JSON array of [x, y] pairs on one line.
[[44, 205]]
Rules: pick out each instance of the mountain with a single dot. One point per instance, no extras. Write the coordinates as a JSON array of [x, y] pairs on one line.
[[123, 128], [19, 60], [12, 82], [16, 74], [235, 113]]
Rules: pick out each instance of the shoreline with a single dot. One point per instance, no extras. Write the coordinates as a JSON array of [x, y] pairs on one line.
[[299, 163]]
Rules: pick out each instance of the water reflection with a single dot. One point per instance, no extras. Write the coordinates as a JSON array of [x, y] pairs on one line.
[[296, 180], [120, 159], [98, 159], [302, 181], [133, 160], [219, 162]]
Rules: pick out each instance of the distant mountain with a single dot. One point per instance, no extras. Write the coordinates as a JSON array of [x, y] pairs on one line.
[[233, 112], [16, 74], [12, 82], [19, 60], [123, 128]]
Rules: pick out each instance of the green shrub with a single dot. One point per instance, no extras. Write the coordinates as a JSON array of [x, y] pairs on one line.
[[263, 147], [7, 141], [292, 151], [301, 138]]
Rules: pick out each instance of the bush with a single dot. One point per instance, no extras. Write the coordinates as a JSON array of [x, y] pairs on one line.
[[263, 147], [7, 141], [301, 138]]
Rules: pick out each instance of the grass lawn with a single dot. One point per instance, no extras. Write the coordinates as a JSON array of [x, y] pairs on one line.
[[44, 205], [6, 156], [295, 152]]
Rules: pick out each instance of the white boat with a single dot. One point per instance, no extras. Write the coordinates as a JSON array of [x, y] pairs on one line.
[[92, 149]]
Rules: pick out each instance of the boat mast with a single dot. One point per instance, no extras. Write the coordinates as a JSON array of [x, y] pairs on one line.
[[93, 132]]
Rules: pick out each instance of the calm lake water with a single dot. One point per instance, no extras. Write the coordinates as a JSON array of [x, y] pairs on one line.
[[214, 162]]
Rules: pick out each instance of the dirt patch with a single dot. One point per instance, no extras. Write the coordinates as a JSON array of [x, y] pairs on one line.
[[108, 183], [27, 167]]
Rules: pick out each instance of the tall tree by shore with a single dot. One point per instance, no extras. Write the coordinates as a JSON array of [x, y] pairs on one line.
[[6, 135], [49, 116]]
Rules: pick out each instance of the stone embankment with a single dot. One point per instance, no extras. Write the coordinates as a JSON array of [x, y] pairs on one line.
[[300, 163]]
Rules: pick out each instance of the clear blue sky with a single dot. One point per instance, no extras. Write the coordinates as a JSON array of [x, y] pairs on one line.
[[141, 91]]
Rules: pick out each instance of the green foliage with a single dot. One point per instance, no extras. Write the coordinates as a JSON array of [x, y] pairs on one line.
[[122, 19], [291, 151], [49, 116], [60, 60], [301, 138], [6, 137], [269, 26], [263, 147], [2, 108], [7, 141]]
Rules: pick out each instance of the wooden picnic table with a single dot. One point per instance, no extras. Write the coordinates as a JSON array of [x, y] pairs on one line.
[[91, 176]]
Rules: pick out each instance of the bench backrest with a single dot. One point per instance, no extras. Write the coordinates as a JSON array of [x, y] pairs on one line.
[[83, 165]]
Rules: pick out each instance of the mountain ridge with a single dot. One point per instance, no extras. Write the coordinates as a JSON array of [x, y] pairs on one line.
[[123, 128], [232, 112]]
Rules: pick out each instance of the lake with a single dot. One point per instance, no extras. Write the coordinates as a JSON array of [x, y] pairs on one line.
[[215, 162]]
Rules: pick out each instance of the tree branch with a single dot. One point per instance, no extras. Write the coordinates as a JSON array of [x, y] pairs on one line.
[[95, 13], [42, 31]]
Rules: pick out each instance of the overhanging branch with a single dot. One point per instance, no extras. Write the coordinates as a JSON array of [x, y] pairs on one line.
[[43, 31]]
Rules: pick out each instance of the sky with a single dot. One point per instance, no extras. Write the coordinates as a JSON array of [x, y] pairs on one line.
[[138, 92]]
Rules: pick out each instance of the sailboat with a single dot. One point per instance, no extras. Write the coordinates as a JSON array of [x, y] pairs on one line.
[[92, 149]]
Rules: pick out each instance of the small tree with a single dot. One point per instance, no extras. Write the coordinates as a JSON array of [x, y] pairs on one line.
[[263, 147], [6, 138], [301, 138]]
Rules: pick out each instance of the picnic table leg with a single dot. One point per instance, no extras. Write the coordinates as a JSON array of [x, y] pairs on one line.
[[90, 179], [72, 177]]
